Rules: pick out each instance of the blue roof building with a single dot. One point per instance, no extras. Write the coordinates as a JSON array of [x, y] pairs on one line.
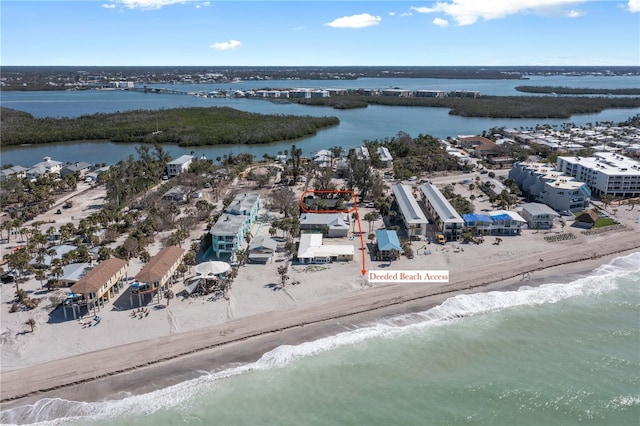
[[388, 245]]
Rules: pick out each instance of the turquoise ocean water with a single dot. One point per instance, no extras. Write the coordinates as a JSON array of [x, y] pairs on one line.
[[567, 352]]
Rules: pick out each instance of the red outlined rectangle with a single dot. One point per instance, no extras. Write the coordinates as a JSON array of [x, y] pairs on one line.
[[304, 209]]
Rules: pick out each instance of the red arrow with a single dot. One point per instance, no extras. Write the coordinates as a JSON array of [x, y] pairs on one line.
[[364, 269]]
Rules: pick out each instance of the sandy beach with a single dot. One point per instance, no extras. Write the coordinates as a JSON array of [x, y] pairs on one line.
[[187, 336]]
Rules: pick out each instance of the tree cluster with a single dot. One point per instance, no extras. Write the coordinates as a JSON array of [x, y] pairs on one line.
[[182, 126]]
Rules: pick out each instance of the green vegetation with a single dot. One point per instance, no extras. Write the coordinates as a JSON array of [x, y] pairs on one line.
[[182, 126], [424, 153], [488, 106], [604, 221], [558, 90], [458, 202]]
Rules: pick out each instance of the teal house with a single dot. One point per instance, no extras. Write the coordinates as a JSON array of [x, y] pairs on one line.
[[388, 245]]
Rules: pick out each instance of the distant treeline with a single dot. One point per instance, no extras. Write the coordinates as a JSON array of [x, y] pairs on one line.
[[487, 106], [182, 126], [577, 91]]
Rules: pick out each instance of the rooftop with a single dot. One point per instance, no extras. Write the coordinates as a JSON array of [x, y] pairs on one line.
[[408, 205], [440, 204], [98, 276], [160, 264], [228, 224]]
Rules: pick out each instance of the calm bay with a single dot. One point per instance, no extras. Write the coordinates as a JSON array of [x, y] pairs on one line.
[[356, 126]]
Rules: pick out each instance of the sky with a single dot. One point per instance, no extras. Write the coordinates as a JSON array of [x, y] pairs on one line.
[[320, 33]]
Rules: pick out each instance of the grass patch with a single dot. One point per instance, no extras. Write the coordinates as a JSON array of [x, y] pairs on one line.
[[604, 221]]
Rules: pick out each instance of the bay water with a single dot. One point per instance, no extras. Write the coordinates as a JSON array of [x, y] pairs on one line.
[[356, 125], [566, 352]]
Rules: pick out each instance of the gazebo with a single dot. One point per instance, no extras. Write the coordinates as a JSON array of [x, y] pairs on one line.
[[207, 273], [211, 269]]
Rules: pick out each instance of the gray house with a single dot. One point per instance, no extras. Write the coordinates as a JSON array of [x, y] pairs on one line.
[[262, 249], [538, 215], [330, 224]]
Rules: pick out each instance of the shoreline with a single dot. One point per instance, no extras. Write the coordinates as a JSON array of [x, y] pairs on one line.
[[115, 371]]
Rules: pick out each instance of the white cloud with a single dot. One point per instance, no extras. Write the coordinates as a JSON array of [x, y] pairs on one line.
[[226, 45], [155, 4], [574, 14], [392, 14], [109, 6], [355, 21], [634, 6], [467, 12], [441, 22]]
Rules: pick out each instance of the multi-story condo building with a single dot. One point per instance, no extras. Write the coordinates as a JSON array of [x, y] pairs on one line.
[[412, 215], [544, 184], [445, 217], [605, 173]]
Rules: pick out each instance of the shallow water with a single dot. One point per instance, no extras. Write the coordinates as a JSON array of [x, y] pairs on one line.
[[562, 353]]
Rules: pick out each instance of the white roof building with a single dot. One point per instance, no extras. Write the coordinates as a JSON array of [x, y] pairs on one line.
[[179, 165], [311, 250], [412, 215], [385, 155], [335, 224], [605, 173], [362, 153], [47, 165], [446, 218]]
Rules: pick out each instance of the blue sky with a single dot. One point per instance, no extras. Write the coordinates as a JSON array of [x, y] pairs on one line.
[[309, 33]]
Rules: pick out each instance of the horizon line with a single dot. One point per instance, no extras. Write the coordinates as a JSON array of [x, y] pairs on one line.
[[334, 66]]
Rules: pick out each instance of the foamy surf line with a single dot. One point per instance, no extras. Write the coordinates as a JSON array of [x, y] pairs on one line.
[[51, 411]]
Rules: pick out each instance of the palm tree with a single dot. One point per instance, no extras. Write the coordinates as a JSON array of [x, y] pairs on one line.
[[371, 217], [282, 271], [40, 276], [242, 256], [168, 295]]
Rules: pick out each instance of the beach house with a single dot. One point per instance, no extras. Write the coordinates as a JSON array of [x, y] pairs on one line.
[[262, 249], [47, 165], [330, 224], [506, 222], [18, 172], [78, 169], [97, 286], [245, 204], [227, 234], [158, 273], [312, 250], [385, 156], [478, 223], [179, 165], [387, 245], [538, 215]]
